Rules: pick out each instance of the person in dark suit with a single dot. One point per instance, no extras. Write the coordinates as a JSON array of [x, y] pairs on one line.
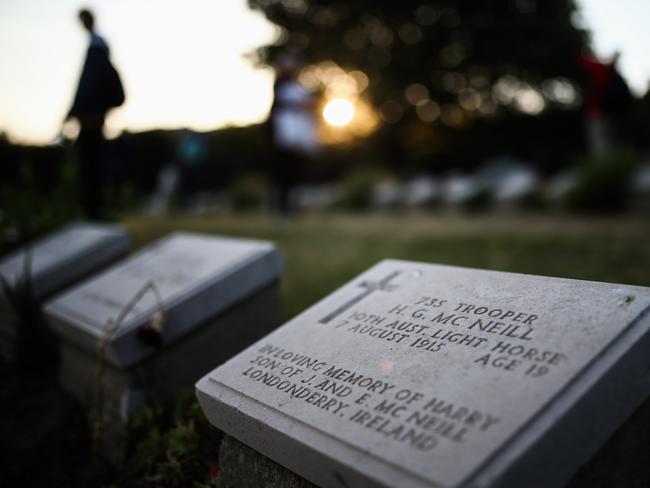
[[99, 89]]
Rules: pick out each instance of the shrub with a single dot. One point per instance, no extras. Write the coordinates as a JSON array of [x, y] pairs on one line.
[[603, 182], [26, 213], [173, 448], [479, 201], [357, 188], [247, 192]]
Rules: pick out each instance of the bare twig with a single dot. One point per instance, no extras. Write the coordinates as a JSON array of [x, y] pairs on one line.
[[111, 326]]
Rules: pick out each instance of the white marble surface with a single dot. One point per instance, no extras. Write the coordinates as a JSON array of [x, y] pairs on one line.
[[196, 276], [423, 375]]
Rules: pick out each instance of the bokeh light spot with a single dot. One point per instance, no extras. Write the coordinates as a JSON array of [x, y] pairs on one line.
[[391, 111], [428, 110], [338, 112], [415, 93]]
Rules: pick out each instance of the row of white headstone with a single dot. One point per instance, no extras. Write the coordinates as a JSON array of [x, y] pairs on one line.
[[410, 375]]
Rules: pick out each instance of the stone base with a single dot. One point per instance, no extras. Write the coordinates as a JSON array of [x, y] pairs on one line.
[[242, 467], [621, 463], [158, 379]]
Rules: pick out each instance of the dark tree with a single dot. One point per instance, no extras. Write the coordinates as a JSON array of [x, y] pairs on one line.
[[444, 45], [456, 82]]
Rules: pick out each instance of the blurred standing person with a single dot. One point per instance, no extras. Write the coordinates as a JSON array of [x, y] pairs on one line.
[[99, 89], [192, 154], [293, 129], [598, 75], [607, 98]]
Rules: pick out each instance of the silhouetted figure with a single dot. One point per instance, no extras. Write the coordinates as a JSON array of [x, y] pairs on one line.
[[606, 99], [191, 154], [293, 132], [99, 90]]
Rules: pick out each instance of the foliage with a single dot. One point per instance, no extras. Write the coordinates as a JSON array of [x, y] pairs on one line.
[[19, 294], [29, 209], [247, 192], [173, 448], [120, 198], [454, 82], [400, 43], [535, 201], [35, 346], [603, 182], [357, 188], [479, 201]]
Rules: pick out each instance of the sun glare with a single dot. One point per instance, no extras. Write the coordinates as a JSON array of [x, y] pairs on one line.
[[338, 112]]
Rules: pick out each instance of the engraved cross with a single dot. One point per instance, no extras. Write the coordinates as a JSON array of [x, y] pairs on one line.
[[370, 286]]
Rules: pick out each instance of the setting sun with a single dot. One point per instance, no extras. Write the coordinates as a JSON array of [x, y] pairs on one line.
[[338, 112]]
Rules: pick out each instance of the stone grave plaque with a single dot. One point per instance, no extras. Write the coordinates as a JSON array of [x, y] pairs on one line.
[[57, 261], [419, 375], [63, 257], [218, 296]]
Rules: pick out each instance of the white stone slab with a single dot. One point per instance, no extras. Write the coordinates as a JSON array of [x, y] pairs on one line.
[[417, 375], [61, 258], [197, 277]]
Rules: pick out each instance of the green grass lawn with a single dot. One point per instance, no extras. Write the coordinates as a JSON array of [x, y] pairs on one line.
[[322, 252]]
